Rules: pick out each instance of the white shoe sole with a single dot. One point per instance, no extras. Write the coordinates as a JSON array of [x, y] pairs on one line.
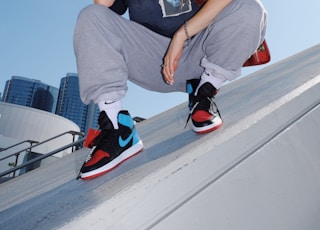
[[216, 123], [130, 152]]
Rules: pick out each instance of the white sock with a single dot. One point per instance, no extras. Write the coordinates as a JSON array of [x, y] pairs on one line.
[[112, 108], [208, 77]]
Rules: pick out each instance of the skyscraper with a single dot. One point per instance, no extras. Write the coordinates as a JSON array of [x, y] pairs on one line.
[[70, 106], [32, 93]]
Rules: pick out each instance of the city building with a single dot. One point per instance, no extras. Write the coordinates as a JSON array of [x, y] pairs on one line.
[[64, 101], [70, 106], [31, 93]]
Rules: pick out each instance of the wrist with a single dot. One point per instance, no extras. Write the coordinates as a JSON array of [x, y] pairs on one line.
[[180, 34], [186, 32]]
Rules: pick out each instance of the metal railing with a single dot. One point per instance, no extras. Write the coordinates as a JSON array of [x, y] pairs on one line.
[[74, 146], [19, 143]]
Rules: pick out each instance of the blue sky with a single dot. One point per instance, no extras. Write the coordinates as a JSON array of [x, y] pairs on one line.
[[36, 42]]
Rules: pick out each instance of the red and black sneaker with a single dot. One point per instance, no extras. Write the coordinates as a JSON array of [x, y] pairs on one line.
[[111, 146], [204, 112]]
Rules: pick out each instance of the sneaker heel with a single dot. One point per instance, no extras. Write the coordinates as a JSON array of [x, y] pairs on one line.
[[92, 134]]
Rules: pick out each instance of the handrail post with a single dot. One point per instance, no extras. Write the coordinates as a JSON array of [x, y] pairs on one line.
[[29, 150], [15, 164], [73, 139]]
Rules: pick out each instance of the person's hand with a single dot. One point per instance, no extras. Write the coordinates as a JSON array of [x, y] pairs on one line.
[[172, 57], [106, 3], [209, 10]]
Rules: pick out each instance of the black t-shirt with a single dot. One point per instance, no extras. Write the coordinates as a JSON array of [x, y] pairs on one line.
[[161, 16]]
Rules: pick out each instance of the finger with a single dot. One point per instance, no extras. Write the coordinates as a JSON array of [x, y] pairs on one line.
[[167, 75], [171, 71]]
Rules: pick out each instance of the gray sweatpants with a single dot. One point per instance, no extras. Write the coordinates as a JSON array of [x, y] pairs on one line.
[[110, 50]]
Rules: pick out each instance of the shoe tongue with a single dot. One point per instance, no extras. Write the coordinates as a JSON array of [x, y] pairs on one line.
[[206, 90], [104, 121]]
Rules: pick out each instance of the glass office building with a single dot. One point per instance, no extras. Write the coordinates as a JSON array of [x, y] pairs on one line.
[[70, 106], [30, 93]]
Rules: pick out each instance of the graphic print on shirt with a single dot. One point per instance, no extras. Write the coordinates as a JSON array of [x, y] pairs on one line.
[[172, 8]]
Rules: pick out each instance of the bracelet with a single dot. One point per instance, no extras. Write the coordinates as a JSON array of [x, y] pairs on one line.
[[186, 31]]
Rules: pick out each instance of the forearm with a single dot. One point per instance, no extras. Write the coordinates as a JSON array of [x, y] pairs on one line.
[[106, 3], [203, 18]]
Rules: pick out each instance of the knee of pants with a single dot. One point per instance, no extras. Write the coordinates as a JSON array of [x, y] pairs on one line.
[[94, 12]]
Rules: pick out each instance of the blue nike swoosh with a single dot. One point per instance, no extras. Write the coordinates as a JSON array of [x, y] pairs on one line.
[[123, 143]]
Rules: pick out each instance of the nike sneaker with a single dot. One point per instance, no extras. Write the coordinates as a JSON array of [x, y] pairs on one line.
[[204, 112], [110, 147]]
